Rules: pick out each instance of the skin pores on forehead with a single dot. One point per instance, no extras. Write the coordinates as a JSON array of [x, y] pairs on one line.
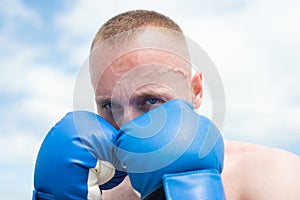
[[138, 70], [106, 52]]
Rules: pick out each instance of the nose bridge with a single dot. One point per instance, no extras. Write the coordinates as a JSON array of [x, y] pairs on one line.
[[129, 114]]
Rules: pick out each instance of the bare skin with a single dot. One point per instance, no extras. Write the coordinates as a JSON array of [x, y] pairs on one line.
[[257, 172], [250, 171]]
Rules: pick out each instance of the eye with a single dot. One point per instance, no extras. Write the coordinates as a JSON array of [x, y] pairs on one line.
[[149, 103], [106, 106], [111, 106], [153, 101]]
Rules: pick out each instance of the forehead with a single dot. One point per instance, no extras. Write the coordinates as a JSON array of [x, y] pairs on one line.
[[147, 57], [146, 69], [153, 58], [138, 40]]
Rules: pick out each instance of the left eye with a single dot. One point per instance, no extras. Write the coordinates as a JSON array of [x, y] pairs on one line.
[[153, 101], [149, 103]]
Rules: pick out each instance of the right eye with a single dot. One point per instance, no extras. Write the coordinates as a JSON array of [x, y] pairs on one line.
[[107, 106], [111, 107]]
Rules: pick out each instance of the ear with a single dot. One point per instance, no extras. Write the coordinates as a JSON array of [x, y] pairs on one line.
[[197, 89]]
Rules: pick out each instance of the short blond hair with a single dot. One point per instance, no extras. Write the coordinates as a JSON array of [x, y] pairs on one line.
[[133, 20]]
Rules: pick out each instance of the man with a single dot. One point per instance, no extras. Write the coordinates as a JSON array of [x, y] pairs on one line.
[[250, 171]]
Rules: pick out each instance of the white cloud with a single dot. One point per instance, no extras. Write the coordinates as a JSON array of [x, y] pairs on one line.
[[44, 89], [33, 97], [46, 97], [14, 11], [17, 160]]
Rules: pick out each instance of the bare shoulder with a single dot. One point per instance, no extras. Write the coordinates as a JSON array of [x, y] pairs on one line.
[[258, 172]]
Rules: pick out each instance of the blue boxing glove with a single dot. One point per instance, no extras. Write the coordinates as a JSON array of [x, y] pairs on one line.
[[174, 148], [76, 159]]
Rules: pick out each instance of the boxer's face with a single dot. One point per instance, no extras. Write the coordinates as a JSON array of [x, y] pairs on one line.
[[140, 80]]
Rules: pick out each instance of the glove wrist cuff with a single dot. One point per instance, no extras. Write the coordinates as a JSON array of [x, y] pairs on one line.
[[201, 184]]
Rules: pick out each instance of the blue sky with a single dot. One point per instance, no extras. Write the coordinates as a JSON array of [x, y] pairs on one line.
[[254, 44]]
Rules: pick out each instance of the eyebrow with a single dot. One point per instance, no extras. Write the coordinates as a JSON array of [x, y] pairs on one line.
[[101, 100], [161, 92], [144, 92]]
